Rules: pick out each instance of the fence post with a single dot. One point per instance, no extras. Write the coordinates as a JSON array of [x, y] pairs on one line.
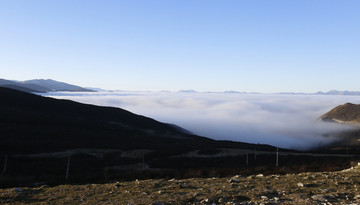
[[143, 162], [5, 163], [247, 158], [277, 156], [67, 169], [255, 153]]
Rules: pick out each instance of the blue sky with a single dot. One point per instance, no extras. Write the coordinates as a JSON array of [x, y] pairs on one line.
[[255, 46]]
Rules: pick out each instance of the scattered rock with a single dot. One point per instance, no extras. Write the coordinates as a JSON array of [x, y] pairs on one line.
[[300, 184], [18, 190], [276, 199], [260, 175], [264, 198], [319, 198], [234, 181], [324, 190]]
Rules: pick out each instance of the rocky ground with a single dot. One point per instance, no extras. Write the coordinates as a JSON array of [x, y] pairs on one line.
[[341, 187]]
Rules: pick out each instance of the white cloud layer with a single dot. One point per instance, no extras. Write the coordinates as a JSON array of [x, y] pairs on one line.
[[288, 121]]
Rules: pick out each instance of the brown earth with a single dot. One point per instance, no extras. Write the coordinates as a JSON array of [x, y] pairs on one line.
[[347, 113], [339, 187]]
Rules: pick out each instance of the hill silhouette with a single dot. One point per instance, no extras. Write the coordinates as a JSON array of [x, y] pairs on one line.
[[34, 124]]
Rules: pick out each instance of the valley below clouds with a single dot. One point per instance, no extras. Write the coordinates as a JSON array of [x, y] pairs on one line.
[[284, 120]]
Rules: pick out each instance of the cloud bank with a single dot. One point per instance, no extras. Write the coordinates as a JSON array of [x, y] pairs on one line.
[[288, 121]]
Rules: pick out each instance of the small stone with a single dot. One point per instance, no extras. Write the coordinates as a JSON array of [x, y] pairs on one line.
[[260, 175], [300, 184], [18, 190], [234, 181], [264, 197], [357, 197], [319, 198], [276, 199]]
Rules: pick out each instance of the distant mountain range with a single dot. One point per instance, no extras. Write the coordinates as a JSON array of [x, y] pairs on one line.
[[48, 85], [42, 86], [331, 92], [337, 92]]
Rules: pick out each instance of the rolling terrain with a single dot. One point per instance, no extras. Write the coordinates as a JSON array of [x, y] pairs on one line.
[[42, 137], [38, 134]]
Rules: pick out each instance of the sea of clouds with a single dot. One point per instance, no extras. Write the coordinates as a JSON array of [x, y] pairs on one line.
[[284, 120]]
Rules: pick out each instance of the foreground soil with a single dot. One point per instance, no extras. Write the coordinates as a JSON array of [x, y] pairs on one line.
[[341, 187]]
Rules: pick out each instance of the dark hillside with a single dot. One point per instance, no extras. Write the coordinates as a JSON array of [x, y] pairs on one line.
[[39, 134], [19, 88], [33, 124]]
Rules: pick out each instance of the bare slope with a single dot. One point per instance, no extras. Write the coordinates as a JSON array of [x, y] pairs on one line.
[[347, 113], [348, 141], [340, 187]]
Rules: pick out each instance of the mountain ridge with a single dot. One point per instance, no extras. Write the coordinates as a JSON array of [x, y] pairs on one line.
[[42, 86]]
